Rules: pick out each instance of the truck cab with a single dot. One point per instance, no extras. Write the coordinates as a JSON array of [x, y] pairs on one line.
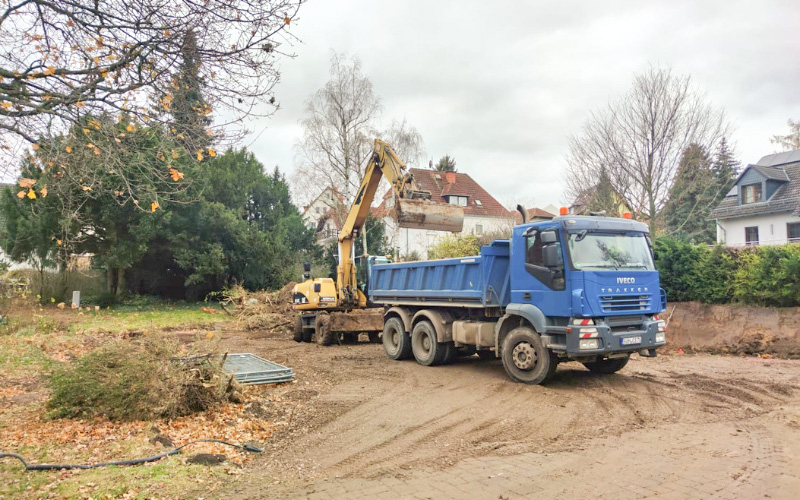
[[589, 285]]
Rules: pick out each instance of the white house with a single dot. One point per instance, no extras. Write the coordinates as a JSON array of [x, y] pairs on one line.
[[482, 213], [325, 215], [763, 208]]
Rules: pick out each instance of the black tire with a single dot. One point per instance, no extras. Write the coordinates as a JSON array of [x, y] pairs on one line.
[[322, 329], [308, 335], [452, 353], [525, 358], [607, 366], [298, 329], [396, 341], [374, 337], [486, 354], [427, 351]]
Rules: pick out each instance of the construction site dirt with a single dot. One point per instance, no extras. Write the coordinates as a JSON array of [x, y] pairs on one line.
[[358, 425]]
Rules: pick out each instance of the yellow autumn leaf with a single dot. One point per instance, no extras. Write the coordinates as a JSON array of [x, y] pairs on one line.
[[211, 152], [199, 155], [59, 242], [175, 155], [166, 33], [154, 206], [286, 19], [50, 71], [180, 136], [36, 147], [21, 194], [135, 202], [26, 183], [31, 194], [176, 175], [131, 127], [86, 131], [87, 188], [68, 149], [79, 104], [117, 139], [97, 151]]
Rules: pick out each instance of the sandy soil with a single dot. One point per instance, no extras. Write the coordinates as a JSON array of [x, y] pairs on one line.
[[355, 414]]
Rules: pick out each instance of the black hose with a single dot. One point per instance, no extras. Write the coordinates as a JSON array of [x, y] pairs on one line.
[[135, 461]]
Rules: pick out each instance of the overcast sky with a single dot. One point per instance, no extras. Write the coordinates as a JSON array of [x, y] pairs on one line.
[[502, 85]]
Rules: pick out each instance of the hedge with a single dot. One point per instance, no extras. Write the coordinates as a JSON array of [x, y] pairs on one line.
[[758, 275]]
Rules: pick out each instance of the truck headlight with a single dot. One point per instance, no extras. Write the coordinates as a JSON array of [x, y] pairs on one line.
[[589, 344], [661, 337]]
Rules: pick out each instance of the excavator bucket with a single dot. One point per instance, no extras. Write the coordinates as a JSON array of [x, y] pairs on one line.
[[425, 214]]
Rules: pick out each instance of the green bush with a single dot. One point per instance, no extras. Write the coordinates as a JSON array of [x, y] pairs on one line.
[[769, 276], [138, 379], [762, 276], [455, 245]]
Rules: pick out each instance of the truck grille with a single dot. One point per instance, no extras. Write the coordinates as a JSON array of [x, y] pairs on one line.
[[617, 303]]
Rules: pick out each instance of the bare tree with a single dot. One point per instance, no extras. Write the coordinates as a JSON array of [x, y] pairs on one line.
[[638, 141], [62, 59], [339, 129], [406, 141], [791, 141]]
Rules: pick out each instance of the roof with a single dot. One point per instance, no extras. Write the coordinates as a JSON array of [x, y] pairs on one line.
[[534, 214], [780, 158], [785, 199], [479, 202]]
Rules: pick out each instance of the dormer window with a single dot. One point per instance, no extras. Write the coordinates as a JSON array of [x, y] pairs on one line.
[[457, 200], [751, 193]]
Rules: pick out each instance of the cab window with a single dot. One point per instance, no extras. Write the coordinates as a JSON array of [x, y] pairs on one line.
[[544, 260]]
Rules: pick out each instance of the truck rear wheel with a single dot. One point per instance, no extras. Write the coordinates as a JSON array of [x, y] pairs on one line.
[[525, 357], [396, 342], [322, 328], [607, 366], [426, 350]]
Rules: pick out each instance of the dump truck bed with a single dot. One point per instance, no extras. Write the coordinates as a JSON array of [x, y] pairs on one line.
[[479, 281]]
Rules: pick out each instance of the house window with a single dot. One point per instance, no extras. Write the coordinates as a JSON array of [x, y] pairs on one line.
[[457, 200], [751, 235], [478, 229], [793, 232], [751, 193]]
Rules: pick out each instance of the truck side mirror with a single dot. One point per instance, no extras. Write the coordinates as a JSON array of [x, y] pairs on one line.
[[550, 255], [548, 237]]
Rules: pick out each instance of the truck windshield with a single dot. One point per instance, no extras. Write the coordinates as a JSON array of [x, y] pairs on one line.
[[610, 251]]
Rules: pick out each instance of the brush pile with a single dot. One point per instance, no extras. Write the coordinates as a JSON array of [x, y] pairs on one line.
[[261, 310]]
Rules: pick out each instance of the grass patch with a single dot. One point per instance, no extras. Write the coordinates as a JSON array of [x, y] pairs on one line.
[[150, 317]]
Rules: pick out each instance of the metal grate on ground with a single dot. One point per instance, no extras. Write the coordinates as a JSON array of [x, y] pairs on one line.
[[253, 370]]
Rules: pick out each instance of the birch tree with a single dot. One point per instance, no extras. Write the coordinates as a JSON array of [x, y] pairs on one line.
[[639, 139]]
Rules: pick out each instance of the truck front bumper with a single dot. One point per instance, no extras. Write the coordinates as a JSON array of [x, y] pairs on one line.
[[644, 338]]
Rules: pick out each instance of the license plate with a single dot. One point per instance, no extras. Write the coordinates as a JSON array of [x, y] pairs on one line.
[[631, 340]]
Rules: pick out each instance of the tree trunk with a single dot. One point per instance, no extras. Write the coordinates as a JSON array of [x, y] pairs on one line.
[[110, 275], [120, 283]]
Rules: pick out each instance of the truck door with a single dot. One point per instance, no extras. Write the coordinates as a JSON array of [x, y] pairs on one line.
[[539, 276]]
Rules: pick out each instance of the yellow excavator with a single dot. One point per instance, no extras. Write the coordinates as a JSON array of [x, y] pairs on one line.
[[339, 310]]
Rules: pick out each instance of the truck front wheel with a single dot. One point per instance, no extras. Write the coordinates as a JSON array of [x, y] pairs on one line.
[[607, 366], [322, 328], [396, 342], [525, 357], [426, 350]]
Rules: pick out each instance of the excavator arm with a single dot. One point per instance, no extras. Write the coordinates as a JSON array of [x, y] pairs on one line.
[[412, 208]]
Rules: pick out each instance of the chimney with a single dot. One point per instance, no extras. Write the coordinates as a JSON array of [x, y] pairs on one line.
[[451, 177]]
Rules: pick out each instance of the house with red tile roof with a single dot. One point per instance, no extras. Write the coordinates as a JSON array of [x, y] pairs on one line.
[[482, 212]]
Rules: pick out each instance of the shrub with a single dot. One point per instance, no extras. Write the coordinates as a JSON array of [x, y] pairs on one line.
[[455, 245], [137, 379], [769, 276]]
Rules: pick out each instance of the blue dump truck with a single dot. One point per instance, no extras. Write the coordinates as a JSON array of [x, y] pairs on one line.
[[576, 288]]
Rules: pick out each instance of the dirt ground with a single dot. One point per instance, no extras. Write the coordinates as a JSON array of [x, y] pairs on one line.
[[677, 426]]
